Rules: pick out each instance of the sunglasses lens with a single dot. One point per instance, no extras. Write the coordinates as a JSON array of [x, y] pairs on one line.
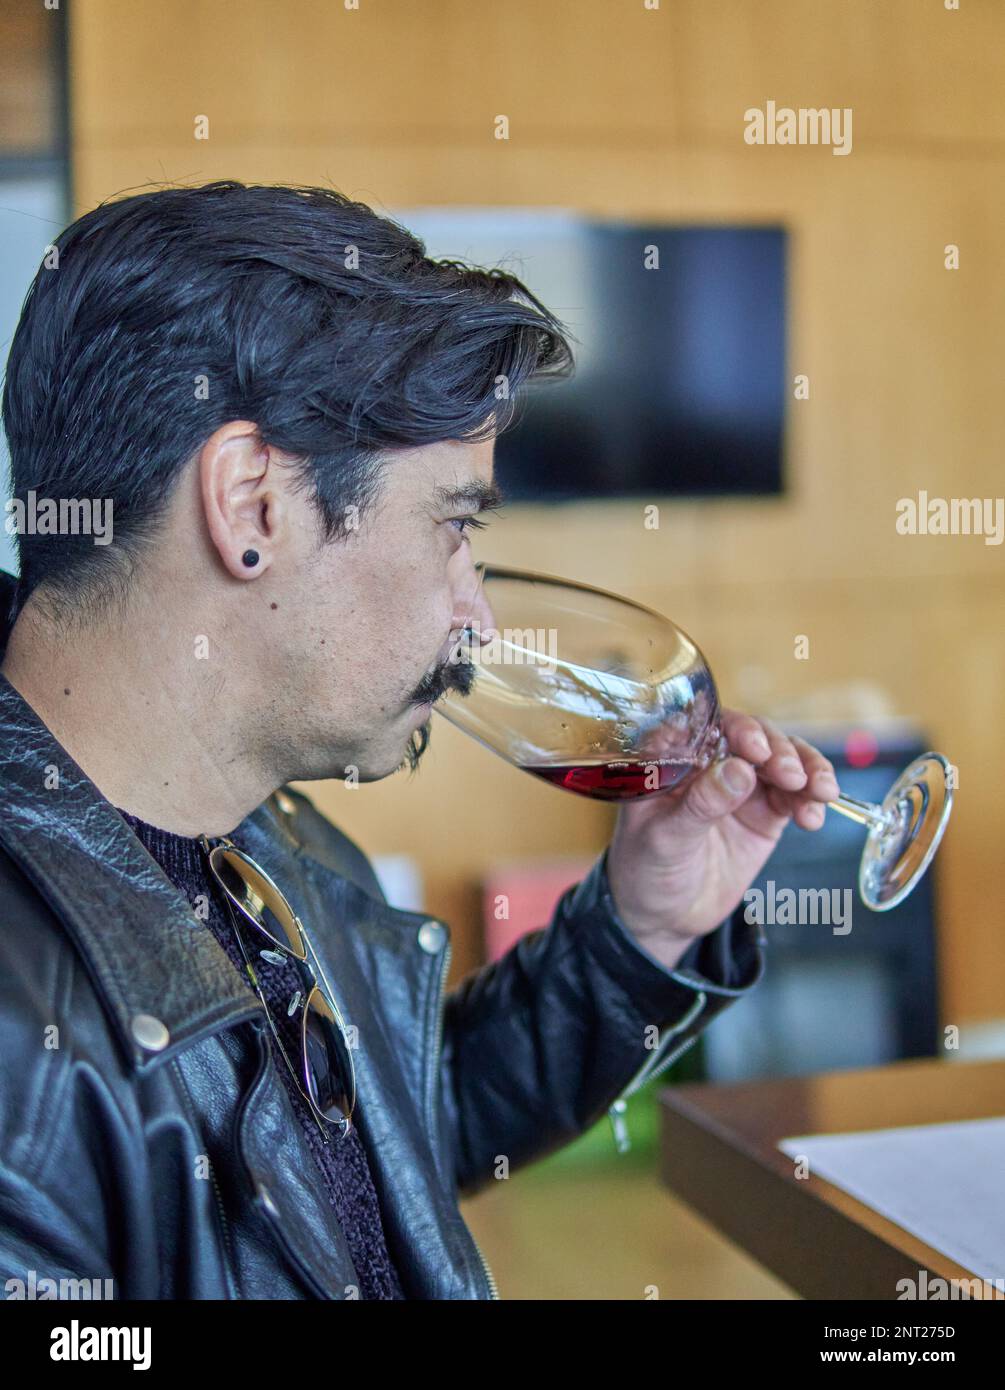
[[328, 1062], [258, 898]]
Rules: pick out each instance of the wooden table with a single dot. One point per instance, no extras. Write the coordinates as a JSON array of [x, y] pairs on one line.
[[718, 1151]]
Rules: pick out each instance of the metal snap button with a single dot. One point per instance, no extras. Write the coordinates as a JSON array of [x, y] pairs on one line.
[[149, 1032], [432, 937]]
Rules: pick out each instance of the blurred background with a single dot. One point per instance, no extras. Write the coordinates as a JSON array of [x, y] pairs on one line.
[[804, 359]]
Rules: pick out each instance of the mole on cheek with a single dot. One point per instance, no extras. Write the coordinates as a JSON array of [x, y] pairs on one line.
[[65, 691], [273, 605]]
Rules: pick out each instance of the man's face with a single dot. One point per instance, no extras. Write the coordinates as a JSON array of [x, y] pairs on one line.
[[378, 616]]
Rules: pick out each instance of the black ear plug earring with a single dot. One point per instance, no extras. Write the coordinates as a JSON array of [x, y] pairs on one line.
[[250, 558]]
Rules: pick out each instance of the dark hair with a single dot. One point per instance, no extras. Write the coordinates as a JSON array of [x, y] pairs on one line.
[[294, 307]]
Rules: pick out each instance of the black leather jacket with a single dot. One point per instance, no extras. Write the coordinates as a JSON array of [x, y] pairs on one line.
[[145, 1136]]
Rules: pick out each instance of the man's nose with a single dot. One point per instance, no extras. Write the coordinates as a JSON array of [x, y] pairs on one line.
[[473, 610]]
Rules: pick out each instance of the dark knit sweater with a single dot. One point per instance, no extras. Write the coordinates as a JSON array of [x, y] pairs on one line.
[[343, 1163]]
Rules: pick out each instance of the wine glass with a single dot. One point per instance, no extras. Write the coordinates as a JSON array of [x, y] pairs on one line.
[[599, 695]]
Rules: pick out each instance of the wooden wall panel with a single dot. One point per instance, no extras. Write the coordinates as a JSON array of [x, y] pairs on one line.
[[29, 100]]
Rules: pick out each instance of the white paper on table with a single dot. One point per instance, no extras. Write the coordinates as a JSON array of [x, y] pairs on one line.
[[944, 1183]]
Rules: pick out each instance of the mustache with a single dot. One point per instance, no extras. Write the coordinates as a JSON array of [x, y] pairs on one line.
[[458, 673], [450, 675]]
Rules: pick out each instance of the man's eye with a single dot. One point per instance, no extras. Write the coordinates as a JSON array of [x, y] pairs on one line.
[[463, 522]]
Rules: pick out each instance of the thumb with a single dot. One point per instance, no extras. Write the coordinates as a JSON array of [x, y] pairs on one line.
[[720, 789]]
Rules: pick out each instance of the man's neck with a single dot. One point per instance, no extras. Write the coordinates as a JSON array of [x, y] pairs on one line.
[[144, 719]]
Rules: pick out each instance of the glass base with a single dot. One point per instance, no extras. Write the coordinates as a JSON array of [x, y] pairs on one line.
[[916, 812]]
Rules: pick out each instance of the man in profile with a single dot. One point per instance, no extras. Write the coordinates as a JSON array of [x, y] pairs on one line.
[[289, 411]]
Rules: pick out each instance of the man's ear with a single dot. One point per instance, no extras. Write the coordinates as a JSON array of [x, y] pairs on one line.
[[244, 504]]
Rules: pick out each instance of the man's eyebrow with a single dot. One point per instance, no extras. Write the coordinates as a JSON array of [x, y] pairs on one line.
[[475, 496]]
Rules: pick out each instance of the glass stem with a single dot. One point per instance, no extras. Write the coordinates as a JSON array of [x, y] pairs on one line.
[[863, 812]]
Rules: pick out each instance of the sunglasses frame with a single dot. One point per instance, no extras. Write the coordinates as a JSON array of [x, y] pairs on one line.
[[223, 847]]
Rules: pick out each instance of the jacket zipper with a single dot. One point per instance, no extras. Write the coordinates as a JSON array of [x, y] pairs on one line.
[[654, 1066], [430, 1099], [224, 1224]]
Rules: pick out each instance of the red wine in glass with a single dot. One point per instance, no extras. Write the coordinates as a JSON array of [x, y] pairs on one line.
[[616, 781]]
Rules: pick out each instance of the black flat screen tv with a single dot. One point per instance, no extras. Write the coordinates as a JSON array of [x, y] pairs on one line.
[[680, 343]]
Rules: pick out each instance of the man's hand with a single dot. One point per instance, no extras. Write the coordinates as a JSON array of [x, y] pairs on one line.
[[678, 865]]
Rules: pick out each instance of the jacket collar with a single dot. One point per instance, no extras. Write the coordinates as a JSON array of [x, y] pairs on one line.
[[150, 958]]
